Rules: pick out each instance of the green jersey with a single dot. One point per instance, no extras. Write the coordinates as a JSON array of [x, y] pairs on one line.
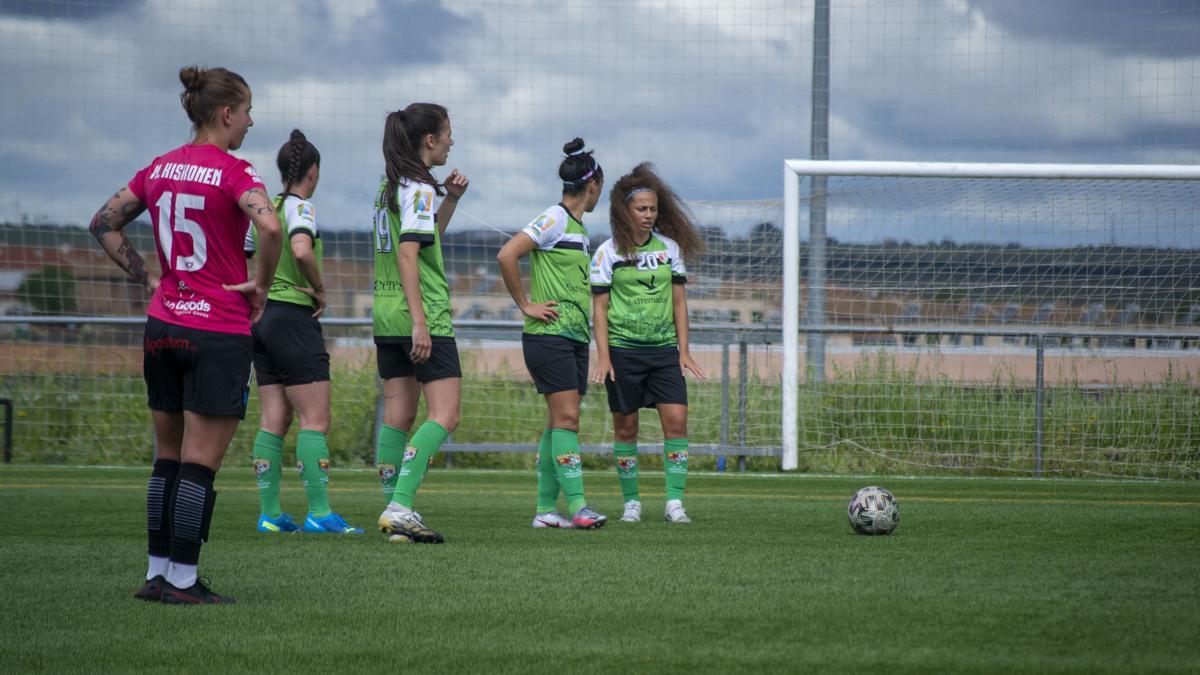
[[298, 217], [416, 221], [558, 271], [641, 290]]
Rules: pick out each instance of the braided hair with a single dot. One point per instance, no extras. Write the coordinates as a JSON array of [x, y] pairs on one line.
[[402, 135], [295, 158]]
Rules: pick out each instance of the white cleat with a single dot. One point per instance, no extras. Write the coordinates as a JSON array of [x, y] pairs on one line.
[[675, 512], [552, 519], [633, 512]]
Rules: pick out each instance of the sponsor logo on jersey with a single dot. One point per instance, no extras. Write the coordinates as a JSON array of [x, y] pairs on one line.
[[305, 210], [261, 466], [253, 173], [180, 307], [649, 285], [627, 463], [423, 201], [569, 460], [543, 223], [387, 472]]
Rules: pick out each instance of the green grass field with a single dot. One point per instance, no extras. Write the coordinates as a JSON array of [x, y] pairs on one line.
[[982, 575]]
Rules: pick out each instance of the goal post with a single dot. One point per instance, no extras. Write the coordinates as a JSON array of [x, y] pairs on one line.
[[1172, 210]]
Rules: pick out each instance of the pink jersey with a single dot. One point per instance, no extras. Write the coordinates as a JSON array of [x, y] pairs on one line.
[[192, 193]]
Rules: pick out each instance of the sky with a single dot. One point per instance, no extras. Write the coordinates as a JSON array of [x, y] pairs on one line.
[[715, 92]]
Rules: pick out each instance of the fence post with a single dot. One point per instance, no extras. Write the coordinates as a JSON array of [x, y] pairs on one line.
[[1040, 404], [724, 404], [743, 367], [8, 429]]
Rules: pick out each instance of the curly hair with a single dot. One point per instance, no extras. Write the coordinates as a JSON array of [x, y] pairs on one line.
[[674, 219]]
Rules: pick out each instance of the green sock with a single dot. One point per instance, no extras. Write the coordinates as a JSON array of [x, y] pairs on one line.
[[547, 479], [564, 446], [417, 458], [312, 458], [267, 455], [627, 469], [389, 454], [675, 458]]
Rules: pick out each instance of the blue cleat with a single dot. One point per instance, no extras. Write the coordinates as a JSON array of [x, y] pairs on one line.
[[332, 523], [281, 524]]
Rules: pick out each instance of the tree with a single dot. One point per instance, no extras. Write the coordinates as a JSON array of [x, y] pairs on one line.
[[50, 290]]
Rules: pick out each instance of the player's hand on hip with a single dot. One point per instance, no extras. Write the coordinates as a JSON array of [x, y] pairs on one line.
[[317, 294], [256, 294], [542, 311]]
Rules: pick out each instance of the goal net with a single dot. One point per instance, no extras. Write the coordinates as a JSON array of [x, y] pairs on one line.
[[992, 318]]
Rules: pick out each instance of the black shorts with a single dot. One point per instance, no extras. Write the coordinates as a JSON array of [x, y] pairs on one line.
[[289, 348], [392, 359], [556, 363], [645, 378], [195, 370]]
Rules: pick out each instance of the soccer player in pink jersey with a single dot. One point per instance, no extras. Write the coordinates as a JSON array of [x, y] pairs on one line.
[[197, 346]]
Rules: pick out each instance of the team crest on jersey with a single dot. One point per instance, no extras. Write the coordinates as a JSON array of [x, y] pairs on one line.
[[323, 464], [387, 472], [261, 466], [627, 463], [253, 173], [569, 460], [409, 453], [423, 201], [677, 456]]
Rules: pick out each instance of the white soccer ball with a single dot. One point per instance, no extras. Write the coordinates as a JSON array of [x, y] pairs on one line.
[[873, 510]]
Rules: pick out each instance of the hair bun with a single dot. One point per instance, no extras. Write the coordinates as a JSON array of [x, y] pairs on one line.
[[575, 147], [192, 77], [297, 135]]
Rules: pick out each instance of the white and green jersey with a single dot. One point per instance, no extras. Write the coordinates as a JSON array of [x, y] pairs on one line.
[[298, 217], [558, 272], [415, 221], [641, 289]]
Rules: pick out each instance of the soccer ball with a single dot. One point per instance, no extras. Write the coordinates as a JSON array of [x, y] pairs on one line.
[[873, 510]]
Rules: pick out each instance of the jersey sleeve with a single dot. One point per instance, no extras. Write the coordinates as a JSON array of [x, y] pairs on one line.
[[137, 184], [244, 178], [602, 269], [417, 221], [301, 217], [678, 268], [547, 229]]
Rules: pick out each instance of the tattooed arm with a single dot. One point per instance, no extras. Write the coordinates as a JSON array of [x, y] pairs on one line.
[[256, 203], [108, 226]]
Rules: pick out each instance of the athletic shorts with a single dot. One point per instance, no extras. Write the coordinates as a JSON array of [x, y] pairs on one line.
[[556, 363], [392, 359], [195, 370], [289, 348], [645, 378]]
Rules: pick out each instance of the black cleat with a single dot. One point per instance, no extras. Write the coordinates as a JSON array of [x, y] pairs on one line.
[[152, 590], [197, 594]]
